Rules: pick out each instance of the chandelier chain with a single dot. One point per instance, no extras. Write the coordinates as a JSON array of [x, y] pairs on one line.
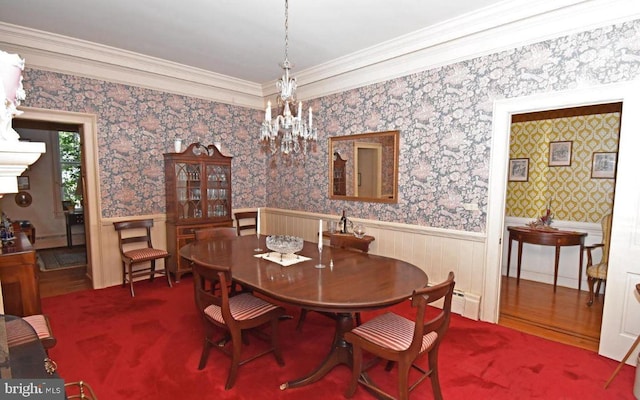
[[286, 31], [288, 127]]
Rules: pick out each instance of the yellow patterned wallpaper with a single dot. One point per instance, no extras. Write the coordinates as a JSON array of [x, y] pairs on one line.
[[574, 195]]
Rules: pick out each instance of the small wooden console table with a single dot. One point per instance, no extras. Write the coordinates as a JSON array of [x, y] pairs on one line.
[[546, 237], [349, 240]]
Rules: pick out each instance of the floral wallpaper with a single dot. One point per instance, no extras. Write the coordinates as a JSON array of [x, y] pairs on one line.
[[136, 126], [444, 116]]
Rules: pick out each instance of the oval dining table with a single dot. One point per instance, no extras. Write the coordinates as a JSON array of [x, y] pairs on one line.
[[351, 282]]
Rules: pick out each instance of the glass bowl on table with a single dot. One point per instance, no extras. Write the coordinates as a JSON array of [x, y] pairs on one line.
[[284, 244]]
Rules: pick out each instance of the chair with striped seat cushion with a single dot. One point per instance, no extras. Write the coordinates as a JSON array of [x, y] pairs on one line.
[[597, 273], [232, 316], [399, 340], [28, 329], [134, 239]]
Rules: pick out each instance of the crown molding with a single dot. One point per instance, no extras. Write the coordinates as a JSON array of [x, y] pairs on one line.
[[57, 53], [506, 25]]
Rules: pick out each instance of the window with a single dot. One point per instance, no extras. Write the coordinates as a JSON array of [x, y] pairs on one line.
[[70, 162]]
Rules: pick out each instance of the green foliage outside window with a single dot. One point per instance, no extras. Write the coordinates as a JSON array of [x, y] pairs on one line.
[[69, 147]]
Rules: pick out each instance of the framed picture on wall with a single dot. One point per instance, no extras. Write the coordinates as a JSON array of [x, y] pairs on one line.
[[560, 154], [603, 165], [23, 183], [518, 170]]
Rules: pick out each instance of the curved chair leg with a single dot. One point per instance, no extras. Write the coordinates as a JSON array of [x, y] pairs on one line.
[[433, 374], [236, 345], [153, 270], [303, 316], [205, 353], [403, 380], [130, 268], [591, 282], [124, 275]]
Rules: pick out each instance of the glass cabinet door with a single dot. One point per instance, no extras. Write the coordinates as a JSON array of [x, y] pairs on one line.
[[188, 191], [218, 191]]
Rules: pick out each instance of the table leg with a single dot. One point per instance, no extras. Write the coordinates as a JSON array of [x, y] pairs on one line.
[[519, 259], [555, 272], [509, 256], [340, 353], [580, 266]]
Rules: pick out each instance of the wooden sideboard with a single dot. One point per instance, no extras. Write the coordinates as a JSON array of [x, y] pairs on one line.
[[19, 278], [349, 240]]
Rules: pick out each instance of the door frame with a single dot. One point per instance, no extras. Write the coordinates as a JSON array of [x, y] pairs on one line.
[[502, 111], [89, 132]]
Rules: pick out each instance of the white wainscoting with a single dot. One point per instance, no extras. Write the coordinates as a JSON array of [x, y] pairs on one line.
[[538, 261], [436, 251]]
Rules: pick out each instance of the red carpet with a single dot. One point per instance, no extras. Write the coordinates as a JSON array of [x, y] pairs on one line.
[[148, 347]]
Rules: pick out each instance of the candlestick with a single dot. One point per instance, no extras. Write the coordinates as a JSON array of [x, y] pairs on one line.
[[299, 110], [320, 264], [310, 113], [267, 113], [258, 223]]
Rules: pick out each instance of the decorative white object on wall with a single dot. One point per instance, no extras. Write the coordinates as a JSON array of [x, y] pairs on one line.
[[15, 156]]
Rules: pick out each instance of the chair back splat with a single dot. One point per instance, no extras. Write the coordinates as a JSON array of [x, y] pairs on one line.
[[134, 238], [218, 232], [399, 340], [232, 315], [246, 221]]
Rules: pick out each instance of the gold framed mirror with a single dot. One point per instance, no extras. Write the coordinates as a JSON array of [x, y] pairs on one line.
[[364, 167]]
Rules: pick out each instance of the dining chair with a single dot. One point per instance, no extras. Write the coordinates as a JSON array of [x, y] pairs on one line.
[[349, 245], [220, 232], [247, 220], [397, 339], [18, 332], [597, 273], [134, 239], [233, 315], [217, 232]]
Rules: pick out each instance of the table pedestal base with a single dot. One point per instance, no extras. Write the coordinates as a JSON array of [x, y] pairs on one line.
[[340, 353]]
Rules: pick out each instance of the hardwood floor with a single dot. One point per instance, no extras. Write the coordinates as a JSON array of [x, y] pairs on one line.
[[57, 282], [562, 316]]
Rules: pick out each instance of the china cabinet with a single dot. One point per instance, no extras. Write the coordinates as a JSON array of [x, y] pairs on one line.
[[198, 195], [339, 175]]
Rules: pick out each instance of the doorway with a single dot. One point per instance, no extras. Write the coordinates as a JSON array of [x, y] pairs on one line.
[[577, 200], [621, 307], [88, 125]]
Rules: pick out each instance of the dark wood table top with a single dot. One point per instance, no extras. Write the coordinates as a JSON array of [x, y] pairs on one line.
[[356, 282]]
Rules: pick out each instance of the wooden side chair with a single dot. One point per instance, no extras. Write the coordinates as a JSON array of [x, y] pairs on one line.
[[246, 221], [349, 245], [134, 239], [597, 272], [233, 315], [217, 232], [399, 340], [19, 333]]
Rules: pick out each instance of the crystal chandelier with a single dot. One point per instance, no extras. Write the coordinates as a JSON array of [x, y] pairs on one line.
[[292, 129]]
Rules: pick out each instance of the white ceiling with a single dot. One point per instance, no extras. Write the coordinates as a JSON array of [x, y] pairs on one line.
[[243, 39]]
